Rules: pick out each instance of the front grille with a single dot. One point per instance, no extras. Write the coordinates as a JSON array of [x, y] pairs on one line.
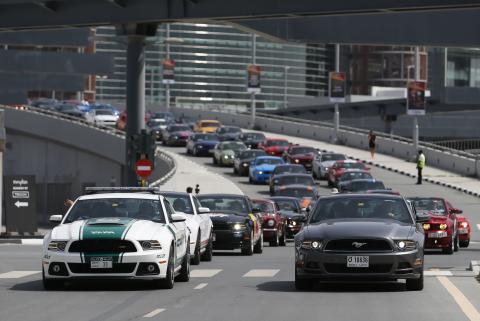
[[102, 246], [352, 245], [221, 226], [84, 268], [342, 268]]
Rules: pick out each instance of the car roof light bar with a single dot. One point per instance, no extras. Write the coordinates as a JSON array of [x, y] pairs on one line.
[[95, 190]]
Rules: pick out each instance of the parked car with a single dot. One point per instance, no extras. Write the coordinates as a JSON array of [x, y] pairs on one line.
[[360, 236], [202, 144], [441, 228], [361, 185], [206, 126], [176, 135], [252, 140], [235, 225], [198, 222], [70, 110], [241, 162], [339, 167], [274, 146], [274, 229], [463, 227], [101, 117], [290, 179], [322, 163], [303, 155], [291, 210], [262, 167], [228, 133], [224, 152]]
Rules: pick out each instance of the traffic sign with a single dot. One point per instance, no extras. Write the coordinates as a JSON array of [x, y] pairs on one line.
[[143, 168], [20, 203]]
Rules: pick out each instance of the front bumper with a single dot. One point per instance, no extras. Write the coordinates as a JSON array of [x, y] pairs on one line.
[[226, 161], [204, 150], [437, 239], [382, 266], [230, 239], [261, 178]]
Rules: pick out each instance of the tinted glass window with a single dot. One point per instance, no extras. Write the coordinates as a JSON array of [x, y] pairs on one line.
[[288, 205], [365, 186], [180, 203], [430, 205], [277, 143], [209, 124], [253, 136], [201, 137], [234, 146], [264, 206], [252, 153], [178, 128], [290, 169], [296, 192], [355, 175], [269, 161], [302, 150], [332, 157], [104, 112], [225, 204], [291, 180]]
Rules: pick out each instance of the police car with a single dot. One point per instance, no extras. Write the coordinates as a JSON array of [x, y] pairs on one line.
[[125, 233]]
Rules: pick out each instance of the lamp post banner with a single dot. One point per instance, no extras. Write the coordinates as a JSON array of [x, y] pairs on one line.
[[416, 98], [253, 79], [337, 86], [168, 72]]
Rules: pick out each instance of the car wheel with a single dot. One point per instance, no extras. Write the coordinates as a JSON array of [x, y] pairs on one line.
[[207, 255], [464, 243], [455, 244], [184, 275], [196, 256], [302, 284], [330, 183], [259, 245], [276, 241], [250, 180], [235, 170], [450, 248], [51, 284], [283, 239], [247, 248], [169, 280], [214, 160], [415, 284]]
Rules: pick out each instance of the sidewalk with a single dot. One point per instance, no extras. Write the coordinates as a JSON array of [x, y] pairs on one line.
[[437, 176]]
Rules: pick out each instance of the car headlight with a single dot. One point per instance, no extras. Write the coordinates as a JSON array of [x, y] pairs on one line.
[[174, 137], [260, 172], [406, 245], [225, 156], [443, 226], [199, 146], [271, 223], [312, 245], [245, 164], [297, 161], [294, 223], [238, 226], [464, 224], [150, 245], [57, 246], [426, 226]]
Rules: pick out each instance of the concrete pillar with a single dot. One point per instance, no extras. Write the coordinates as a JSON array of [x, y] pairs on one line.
[[336, 115]]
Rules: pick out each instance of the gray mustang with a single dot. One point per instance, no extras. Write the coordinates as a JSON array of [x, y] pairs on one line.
[[360, 236]]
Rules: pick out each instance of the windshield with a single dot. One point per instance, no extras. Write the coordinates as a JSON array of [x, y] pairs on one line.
[[430, 205], [364, 186], [269, 161], [293, 180], [296, 192], [252, 153], [202, 137], [290, 169], [265, 207], [224, 130], [104, 112], [225, 203], [162, 115], [234, 146], [333, 157], [277, 143], [288, 206], [252, 136], [156, 122], [302, 150], [361, 208], [181, 203], [348, 176], [178, 128], [144, 209], [209, 124], [351, 165]]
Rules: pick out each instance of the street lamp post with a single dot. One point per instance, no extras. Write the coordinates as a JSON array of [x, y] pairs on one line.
[[102, 78], [336, 115], [252, 94], [285, 87]]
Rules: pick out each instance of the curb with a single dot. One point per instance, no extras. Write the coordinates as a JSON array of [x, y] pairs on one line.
[[475, 267]]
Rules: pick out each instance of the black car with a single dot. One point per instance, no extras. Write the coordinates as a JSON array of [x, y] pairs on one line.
[[290, 179], [70, 110], [291, 210], [226, 133], [176, 135], [241, 163], [360, 237], [252, 139], [361, 185], [235, 225], [289, 169]]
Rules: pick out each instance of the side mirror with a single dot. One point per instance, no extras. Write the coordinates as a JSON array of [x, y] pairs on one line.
[[456, 211], [203, 210], [176, 218], [422, 218], [55, 218]]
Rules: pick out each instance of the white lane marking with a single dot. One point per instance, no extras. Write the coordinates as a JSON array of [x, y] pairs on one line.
[[478, 227], [462, 301], [17, 274], [204, 273], [259, 273], [438, 273], [200, 286], [153, 313], [32, 241]]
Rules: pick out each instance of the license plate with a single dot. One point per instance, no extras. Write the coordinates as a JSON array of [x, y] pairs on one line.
[[101, 263], [437, 234], [358, 261], [214, 237], [463, 231]]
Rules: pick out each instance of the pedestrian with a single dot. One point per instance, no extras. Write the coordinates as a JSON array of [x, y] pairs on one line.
[[371, 143], [189, 190], [420, 166]]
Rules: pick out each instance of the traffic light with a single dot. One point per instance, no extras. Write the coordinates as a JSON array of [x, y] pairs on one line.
[[141, 145]]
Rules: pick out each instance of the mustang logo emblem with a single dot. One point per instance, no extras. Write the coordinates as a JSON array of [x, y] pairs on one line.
[[358, 244]]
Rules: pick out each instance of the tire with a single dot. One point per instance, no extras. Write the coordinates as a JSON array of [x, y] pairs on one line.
[[250, 180], [464, 243], [283, 239], [302, 284], [169, 280], [415, 284], [195, 260], [207, 255], [455, 244], [51, 284], [330, 183], [184, 275], [450, 249], [276, 241], [247, 248], [195, 152], [215, 160], [259, 245]]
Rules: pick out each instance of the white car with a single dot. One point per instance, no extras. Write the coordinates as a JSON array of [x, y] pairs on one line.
[[322, 163], [198, 222], [131, 233], [102, 117]]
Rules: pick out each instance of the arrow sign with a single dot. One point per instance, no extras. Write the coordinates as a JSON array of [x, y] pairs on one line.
[[21, 204]]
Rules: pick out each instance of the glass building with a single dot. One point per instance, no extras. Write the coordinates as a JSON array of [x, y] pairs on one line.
[[211, 67]]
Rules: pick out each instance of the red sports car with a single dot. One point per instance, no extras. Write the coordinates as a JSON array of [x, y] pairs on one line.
[[339, 167], [463, 227], [274, 146], [274, 228], [441, 231], [302, 155]]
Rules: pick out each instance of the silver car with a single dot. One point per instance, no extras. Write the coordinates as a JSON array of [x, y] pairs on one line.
[[322, 163], [360, 237]]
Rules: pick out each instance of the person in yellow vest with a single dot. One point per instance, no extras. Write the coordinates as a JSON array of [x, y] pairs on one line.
[[420, 166]]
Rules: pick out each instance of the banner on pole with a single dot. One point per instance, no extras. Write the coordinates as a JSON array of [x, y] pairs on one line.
[[337, 86], [168, 72], [416, 98], [253, 79]]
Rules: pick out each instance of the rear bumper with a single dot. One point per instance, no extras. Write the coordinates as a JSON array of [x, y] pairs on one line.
[[269, 233]]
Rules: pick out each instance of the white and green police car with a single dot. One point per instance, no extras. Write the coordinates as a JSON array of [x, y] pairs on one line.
[[125, 233]]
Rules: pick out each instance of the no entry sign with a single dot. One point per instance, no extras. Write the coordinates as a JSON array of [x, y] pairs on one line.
[[143, 168]]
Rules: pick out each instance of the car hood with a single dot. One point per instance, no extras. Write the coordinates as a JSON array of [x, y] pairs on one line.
[[180, 133], [227, 218], [435, 218], [339, 229], [102, 228], [207, 143], [265, 167], [106, 117], [230, 152], [327, 163]]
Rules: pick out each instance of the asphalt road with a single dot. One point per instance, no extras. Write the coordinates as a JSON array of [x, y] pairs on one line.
[[234, 287]]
